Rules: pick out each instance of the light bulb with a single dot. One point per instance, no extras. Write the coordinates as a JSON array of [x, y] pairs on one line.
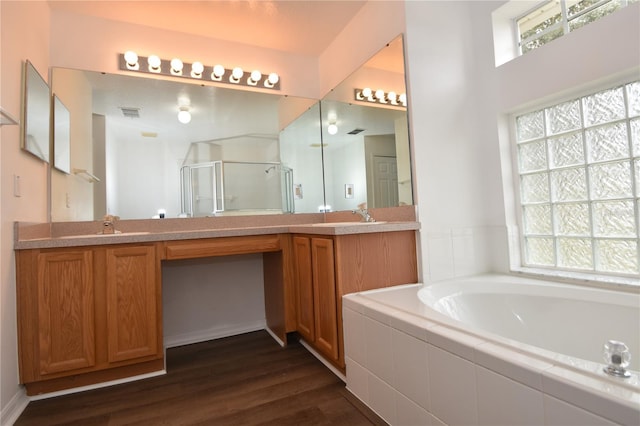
[[255, 77], [176, 66], [154, 63], [184, 116], [218, 72], [196, 69], [236, 75], [380, 95], [403, 99], [366, 92], [393, 98], [332, 129], [131, 58], [272, 80]]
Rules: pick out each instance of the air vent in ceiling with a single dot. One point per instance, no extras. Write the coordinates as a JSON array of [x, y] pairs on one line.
[[130, 112], [355, 131]]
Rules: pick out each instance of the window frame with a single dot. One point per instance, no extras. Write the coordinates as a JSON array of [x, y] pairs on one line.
[[564, 23], [518, 255]]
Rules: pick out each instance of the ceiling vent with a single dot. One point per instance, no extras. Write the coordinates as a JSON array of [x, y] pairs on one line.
[[355, 131], [130, 112]]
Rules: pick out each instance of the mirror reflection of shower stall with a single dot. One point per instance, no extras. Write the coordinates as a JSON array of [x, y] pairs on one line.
[[236, 187]]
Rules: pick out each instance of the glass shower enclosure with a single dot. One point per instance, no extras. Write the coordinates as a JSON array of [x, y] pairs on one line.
[[219, 188]]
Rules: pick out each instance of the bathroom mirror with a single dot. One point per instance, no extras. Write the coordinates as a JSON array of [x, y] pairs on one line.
[[36, 114], [366, 143], [61, 136], [229, 159]]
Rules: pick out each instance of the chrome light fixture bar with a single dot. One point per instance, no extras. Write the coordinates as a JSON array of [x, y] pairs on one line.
[[380, 97], [130, 61]]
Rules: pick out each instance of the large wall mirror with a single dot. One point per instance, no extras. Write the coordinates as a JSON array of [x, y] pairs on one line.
[[366, 142], [36, 114], [241, 152]]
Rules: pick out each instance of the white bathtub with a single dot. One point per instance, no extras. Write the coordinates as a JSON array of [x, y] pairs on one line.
[[492, 350]]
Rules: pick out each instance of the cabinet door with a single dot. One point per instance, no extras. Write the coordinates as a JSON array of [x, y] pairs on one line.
[[326, 321], [66, 322], [304, 286], [132, 316]]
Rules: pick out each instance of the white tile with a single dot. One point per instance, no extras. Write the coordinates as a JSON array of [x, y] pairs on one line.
[[515, 365], [413, 325], [382, 399], [502, 401], [454, 341], [379, 351], [411, 369], [558, 412], [604, 396], [440, 256], [354, 336], [464, 252], [357, 380], [410, 414], [452, 388]]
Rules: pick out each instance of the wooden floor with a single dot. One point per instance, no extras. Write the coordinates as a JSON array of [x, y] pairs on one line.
[[241, 380]]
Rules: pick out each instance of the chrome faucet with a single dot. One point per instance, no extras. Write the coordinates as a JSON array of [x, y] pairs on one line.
[[362, 211], [108, 224]]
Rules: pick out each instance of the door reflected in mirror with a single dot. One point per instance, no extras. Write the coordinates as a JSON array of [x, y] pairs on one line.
[[366, 139]]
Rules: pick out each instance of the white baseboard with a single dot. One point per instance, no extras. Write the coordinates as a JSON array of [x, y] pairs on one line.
[[213, 333], [14, 408], [276, 338], [326, 363], [98, 385]]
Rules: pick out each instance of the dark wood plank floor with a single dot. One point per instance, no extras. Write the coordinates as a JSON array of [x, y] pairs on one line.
[[241, 380]]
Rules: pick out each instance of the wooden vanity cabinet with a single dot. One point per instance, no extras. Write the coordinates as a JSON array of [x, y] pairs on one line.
[[88, 315], [328, 267], [316, 315]]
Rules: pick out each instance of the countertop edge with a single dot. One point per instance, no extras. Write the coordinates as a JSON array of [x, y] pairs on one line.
[[138, 237]]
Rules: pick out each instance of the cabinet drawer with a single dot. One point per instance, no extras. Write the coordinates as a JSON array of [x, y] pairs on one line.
[[190, 249]]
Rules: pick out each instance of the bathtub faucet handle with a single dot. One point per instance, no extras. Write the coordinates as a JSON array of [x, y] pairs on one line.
[[617, 356]]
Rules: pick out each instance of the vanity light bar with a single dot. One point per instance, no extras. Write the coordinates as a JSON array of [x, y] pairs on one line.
[[130, 61], [381, 97]]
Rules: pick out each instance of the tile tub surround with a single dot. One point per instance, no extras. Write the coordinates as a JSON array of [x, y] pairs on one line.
[[414, 369]]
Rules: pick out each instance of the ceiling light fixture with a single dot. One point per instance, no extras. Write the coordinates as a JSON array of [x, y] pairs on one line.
[[131, 61], [184, 116], [380, 97]]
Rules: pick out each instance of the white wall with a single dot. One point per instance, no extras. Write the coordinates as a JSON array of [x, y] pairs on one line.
[[211, 298], [24, 35], [458, 104]]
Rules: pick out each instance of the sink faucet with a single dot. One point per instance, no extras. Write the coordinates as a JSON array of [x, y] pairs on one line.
[[108, 224], [362, 211]]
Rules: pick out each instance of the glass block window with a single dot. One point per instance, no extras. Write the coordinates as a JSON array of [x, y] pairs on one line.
[[553, 19], [579, 172]]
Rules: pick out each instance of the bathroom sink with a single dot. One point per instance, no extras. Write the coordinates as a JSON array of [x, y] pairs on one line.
[[347, 223]]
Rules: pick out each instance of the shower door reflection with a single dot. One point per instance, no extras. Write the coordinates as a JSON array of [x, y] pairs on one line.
[[234, 187]]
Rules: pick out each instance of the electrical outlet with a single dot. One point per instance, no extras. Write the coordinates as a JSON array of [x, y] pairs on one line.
[[67, 200]]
